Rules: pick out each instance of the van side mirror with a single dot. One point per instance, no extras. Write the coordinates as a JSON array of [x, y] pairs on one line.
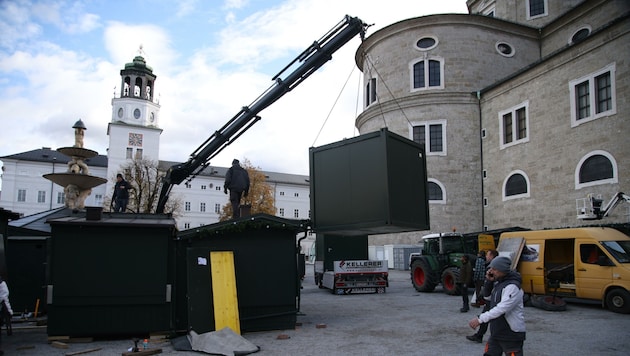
[[604, 261]]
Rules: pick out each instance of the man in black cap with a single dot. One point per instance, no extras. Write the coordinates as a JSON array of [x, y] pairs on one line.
[[507, 323], [237, 181]]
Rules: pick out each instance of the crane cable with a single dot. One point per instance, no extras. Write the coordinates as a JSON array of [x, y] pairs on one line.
[[333, 106], [372, 66]]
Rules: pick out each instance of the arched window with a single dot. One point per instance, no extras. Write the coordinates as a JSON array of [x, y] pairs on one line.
[[516, 186], [596, 168], [427, 74], [436, 191]]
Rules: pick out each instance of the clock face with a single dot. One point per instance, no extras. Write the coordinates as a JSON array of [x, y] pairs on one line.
[[135, 139], [120, 112], [136, 113]]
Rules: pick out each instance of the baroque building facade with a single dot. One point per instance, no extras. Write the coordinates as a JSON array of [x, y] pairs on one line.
[[134, 132], [520, 105]]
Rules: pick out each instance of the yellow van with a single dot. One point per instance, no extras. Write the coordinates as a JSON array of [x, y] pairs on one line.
[[589, 263]]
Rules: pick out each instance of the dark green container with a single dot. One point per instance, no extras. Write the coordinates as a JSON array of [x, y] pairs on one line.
[[266, 268], [112, 276], [371, 184]]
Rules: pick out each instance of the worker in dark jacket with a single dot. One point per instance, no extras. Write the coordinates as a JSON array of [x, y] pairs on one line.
[[485, 293], [237, 181], [507, 323], [465, 276], [121, 194]]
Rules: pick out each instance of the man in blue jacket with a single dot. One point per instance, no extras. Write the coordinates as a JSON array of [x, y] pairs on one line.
[[237, 181]]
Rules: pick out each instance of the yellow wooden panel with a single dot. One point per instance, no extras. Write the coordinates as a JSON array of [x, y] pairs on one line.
[[224, 300]]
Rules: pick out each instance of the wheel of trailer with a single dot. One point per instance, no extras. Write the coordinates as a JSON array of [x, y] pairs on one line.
[[421, 276], [380, 290], [618, 301], [449, 281], [549, 303]]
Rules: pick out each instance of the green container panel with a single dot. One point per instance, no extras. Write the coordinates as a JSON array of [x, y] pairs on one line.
[[330, 248], [26, 267], [371, 184], [110, 277], [266, 269]]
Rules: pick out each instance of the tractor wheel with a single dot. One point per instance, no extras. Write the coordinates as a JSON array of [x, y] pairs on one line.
[[422, 276], [618, 301], [449, 281]]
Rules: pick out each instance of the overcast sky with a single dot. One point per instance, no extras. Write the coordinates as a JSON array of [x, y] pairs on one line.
[[61, 61]]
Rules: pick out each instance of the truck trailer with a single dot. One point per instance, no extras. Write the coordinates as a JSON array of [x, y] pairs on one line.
[[342, 265]]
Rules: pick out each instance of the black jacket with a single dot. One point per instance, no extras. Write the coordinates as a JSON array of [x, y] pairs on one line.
[[121, 190], [237, 179]]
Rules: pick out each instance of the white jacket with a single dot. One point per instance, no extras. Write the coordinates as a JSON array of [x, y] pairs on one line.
[[511, 305], [4, 296]]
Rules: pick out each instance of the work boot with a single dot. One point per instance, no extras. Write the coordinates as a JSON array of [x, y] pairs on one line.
[[475, 338], [464, 310]]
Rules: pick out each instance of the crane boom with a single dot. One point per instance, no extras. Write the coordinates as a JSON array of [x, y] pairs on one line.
[[590, 208], [316, 55]]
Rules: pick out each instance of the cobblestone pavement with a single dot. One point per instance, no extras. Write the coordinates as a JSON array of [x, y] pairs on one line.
[[399, 322]]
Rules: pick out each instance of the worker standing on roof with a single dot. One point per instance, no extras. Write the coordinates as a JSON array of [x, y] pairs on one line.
[[237, 181]]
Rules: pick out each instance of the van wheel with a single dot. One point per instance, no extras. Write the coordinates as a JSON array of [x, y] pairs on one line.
[[549, 303], [618, 300]]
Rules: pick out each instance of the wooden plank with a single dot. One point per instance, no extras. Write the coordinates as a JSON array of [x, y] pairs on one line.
[[142, 352], [59, 345], [83, 351], [58, 338], [224, 296]]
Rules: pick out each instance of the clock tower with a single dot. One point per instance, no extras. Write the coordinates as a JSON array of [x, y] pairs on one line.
[[133, 131]]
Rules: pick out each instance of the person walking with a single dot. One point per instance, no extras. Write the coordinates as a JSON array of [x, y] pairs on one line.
[[506, 318], [486, 290], [479, 276], [465, 275], [237, 181], [120, 199], [5, 306]]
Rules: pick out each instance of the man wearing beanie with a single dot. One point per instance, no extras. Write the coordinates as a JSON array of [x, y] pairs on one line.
[[507, 323], [237, 181]]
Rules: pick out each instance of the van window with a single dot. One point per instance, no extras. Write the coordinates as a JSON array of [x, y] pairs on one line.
[[619, 249], [589, 253]]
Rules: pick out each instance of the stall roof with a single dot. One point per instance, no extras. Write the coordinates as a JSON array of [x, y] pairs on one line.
[[121, 219], [253, 222], [36, 223]]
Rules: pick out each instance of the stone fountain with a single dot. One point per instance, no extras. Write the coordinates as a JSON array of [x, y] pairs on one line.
[[77, 181]]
